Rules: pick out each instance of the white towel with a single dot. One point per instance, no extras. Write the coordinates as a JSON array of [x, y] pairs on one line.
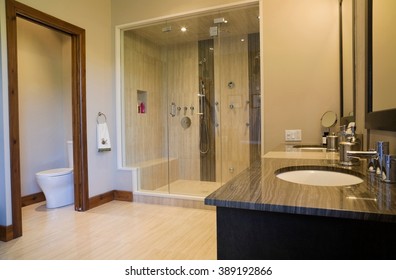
[[103, 138]]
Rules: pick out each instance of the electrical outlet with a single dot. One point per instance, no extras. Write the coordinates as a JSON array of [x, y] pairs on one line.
[[293, 135]]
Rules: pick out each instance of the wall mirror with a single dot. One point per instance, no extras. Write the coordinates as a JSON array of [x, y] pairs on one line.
[[347, 59], [381, 65]]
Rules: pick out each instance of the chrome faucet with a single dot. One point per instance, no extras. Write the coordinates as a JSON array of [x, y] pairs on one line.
[[380, 161], [362, 154], [347, 146]]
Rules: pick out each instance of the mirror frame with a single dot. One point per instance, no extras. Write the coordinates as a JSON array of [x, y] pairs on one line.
[[378, 120]]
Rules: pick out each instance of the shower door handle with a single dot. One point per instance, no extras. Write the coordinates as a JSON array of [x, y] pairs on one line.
[[173, 109]]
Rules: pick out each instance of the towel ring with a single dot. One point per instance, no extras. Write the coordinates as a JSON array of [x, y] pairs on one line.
[[100, 114]]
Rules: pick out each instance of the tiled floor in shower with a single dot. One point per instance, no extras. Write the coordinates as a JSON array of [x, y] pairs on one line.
[[188, 187]]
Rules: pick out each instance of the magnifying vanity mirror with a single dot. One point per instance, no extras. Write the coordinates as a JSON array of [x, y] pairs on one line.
[[329, 119], [381, 65]]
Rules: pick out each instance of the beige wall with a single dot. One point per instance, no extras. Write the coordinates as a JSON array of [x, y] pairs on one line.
[[301, 66], [127, 11]]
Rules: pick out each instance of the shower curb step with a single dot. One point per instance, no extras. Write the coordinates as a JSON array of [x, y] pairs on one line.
[[171, 200]]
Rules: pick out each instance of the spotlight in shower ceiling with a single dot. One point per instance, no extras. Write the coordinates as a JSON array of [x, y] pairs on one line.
[[219, 20], [167, 29]]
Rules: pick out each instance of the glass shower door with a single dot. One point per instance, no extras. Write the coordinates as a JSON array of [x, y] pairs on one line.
[[213, 77], [237, 52]]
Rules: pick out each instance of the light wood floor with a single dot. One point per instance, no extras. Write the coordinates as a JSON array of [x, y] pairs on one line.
[[115, 230]]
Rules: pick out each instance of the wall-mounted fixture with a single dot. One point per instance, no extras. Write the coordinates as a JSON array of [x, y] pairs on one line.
[[173, 109], [213, 31], [185, 122], [219, 20]]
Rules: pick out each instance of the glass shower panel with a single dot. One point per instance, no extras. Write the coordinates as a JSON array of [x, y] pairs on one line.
[[191, 98], [238, 87], [145, 109], [214, 81]]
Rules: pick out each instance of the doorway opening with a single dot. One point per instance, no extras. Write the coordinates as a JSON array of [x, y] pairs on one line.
[[16, 10]]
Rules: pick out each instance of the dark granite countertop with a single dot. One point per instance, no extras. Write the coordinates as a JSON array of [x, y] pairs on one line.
[[258, 188]]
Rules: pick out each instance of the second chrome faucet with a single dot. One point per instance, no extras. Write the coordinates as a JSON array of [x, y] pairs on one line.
[[379, 160]]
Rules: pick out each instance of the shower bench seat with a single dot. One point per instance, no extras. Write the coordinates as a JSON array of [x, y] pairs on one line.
[[152, 174]]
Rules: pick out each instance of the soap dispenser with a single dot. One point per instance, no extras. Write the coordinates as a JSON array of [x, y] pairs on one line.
[[324, 138]]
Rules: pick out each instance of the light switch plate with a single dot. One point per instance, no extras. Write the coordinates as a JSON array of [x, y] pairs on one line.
[[293, 135]]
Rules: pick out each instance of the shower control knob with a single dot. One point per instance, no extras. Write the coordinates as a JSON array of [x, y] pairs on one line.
[[231, 106]]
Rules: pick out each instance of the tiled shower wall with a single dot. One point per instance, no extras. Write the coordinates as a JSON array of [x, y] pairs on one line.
[[145, 137]]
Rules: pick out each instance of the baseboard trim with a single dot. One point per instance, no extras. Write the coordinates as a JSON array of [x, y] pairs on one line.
[[93, 201], [123, 196], [32, 199], [6, 233], [101, 199]]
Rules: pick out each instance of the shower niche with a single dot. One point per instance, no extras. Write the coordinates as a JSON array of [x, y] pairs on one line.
[[187, 74], [141, 101]]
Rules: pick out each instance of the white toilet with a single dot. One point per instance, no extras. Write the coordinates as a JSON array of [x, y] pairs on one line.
[[57, 184]]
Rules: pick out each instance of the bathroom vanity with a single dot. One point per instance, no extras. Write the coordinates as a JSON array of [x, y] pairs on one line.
[[260, 216]]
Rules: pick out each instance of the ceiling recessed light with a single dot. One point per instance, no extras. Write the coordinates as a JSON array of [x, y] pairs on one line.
[[183, 29]]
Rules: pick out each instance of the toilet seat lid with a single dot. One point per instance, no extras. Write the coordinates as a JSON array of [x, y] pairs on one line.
[[55, 172]]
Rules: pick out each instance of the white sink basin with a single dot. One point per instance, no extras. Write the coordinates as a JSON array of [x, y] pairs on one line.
[[319, 178]]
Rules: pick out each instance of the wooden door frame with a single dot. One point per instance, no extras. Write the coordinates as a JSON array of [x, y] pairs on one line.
[[15, 9]]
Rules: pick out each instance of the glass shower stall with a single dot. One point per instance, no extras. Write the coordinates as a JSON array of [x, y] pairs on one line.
[[191, 100]]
